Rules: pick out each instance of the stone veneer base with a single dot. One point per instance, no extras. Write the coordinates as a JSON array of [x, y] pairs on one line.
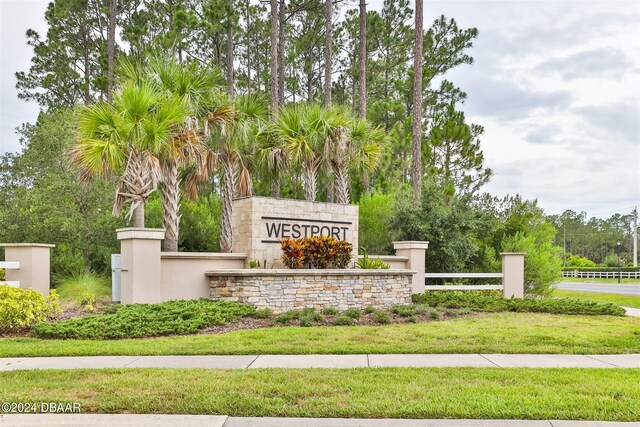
[[283, 289]]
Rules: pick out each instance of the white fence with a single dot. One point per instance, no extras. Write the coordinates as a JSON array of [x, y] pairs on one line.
[[601, 274], [10, 265], [463, 276]]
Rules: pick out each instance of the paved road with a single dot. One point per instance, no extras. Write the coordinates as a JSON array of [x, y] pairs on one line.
[[155, 420], [328, 361], [603, 288]]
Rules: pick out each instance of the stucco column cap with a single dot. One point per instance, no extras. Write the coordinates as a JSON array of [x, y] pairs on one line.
[[411, 244], [140, 233], [512, 253], [35, 245]]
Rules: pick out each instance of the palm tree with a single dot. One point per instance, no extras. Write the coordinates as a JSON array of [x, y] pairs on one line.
[[199, 88], [303, 132], [359, 145], [233, 141], [128, 137]]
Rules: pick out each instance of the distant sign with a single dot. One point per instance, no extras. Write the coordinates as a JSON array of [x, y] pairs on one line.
[[278, 228]]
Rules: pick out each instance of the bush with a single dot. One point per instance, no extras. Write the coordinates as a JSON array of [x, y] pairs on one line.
[[382, 317], [375, 214], [263, 313], [85, 289], [404, 310], [367, 263], [329, 311], [316, 252], [286, 317], [353, 313], [343, 321], [147, 320], [310, 319], [492, 301], [369, 309], [23, 308]]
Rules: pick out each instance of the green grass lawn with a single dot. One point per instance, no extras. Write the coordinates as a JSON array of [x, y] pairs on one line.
[[614, 281], [617, 299], [489, 393], [485, 333]]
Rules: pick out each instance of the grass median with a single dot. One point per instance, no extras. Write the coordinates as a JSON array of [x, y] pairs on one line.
[[487, 393], [484, 333], [617, 299]]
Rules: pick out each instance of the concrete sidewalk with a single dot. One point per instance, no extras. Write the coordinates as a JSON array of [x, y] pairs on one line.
[[130, 420], [328, 361]]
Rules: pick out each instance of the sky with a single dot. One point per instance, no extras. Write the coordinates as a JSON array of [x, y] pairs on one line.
[[556, 85]]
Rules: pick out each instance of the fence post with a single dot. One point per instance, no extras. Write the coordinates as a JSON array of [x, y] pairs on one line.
[[35, 265], [416, 252], [513, 274], [140, 265]]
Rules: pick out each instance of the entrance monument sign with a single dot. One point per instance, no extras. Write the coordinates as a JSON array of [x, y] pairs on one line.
[[260, 223]]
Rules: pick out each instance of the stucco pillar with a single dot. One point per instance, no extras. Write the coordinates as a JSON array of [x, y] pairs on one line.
[[416, 252], [35, 265], [140, 265], [513, 274]]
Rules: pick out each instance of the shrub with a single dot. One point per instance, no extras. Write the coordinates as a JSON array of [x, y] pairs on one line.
[[84, 289], [316, 252], [353, 313], [382, 317], [369, 309], [367, 263], [492, 301], [263, 313], [404, 310], [23, 308], [286, 317], [330, 311], [310, 318], [435, 314], [147, 320], [343, 321], [375, 214]]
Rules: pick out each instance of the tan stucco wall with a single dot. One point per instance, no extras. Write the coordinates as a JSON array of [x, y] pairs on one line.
[[251, 216], [35, 265], [183, 273]]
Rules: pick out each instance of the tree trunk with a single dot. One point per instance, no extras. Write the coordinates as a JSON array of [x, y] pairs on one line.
[[341, 173], [328, 51], [171, 207], [275, 186], [138, 216], [331, 185], [230, 84], [281, 51], [310, 177], [362, 58], [416, 136], [248, 48], [366, 181], [273, 55], [228, 191], [111, 46]]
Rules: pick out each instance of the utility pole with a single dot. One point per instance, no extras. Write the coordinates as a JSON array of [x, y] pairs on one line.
[[635, 236]]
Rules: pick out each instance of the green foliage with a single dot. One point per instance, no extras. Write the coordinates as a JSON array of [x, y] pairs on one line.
[[489, 301], [23, 308], [263, 313], [310, 319], [85, 289], [330, 311], [369, 309], [404, 310], [375, 211], [382, 317], [611, 260], [542, 263], [254, 263], [445, 221], [200, 224], [354, 313], [2, 274], [343, 321], [286, 317], [579, 262], [147, 320], [49, 205], [367, 263]]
